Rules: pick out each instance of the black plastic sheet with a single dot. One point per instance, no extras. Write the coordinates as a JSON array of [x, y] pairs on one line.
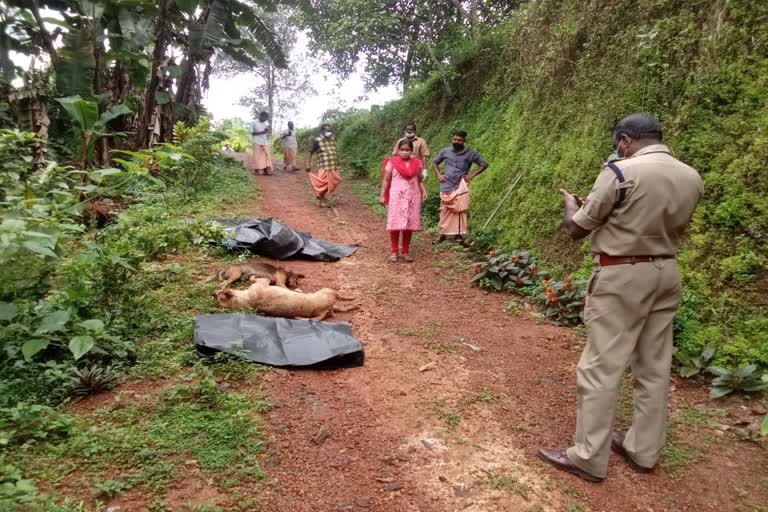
[[278, 341], [273, 239]]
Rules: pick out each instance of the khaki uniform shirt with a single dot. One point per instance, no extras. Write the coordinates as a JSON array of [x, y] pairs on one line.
[[661, 195], [420, 149]]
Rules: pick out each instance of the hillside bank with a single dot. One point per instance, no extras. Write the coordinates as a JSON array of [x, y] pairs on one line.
[[540, 94]]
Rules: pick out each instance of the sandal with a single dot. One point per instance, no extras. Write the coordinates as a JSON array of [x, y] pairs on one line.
[[393, 258], [408, 258]]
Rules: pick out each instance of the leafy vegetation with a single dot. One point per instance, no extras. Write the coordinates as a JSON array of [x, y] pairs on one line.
[[540, 92], [744, 378], [507, 271], [149, 59], [84, 306]]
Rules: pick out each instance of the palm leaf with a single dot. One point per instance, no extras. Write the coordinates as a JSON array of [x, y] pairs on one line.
[[260, 31], [204, 37], [76, 65]]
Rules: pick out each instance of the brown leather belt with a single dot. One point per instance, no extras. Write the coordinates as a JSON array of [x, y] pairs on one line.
[[623, 260]]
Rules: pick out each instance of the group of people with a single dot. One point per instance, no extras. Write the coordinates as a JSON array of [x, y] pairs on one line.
[[261, 155], [403, 190], [637, 213], [403, 177]]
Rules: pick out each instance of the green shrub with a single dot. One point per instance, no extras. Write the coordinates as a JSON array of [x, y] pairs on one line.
[[29, 423]]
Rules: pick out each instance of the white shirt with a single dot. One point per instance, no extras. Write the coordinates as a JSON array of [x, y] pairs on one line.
[[258, 126], [289, 138]]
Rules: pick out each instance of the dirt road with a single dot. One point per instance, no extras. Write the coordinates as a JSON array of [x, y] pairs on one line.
[[455, 397]]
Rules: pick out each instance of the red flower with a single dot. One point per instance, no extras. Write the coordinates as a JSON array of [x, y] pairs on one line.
[[568, 279], [492, 253]]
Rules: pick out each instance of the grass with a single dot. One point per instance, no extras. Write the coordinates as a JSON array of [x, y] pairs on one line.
[[449, 417], [481, 396], [698, 416], [510, 484], [426, 332], [572, 491], [143, 442], [677, 455]]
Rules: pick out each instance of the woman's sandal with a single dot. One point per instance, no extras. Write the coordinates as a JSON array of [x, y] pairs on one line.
[[408, 258], [393, 258]]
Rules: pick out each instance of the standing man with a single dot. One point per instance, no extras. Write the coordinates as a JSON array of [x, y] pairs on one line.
[[637, 211], [420, 147], [326, 180], [262, 160], [289, 147], [454, 185]]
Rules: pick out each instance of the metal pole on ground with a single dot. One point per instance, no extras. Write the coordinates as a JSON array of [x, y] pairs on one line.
[[503, 199]]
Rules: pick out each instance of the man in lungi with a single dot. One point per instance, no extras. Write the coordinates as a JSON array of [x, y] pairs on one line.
[[262, 160], [289, 147], [326, 180], [454, 185]]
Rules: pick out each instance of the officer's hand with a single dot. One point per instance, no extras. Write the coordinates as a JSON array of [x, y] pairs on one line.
[[569, 198]]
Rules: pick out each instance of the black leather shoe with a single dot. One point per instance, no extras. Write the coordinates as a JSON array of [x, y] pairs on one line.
[[559, 459], [617, 445]]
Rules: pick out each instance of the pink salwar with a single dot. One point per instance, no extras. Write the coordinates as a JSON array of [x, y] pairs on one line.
[[404, 207]]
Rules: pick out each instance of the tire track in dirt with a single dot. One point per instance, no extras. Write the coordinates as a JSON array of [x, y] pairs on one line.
[[401, 439]]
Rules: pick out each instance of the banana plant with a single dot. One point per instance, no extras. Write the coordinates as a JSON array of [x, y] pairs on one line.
[[89, 125]]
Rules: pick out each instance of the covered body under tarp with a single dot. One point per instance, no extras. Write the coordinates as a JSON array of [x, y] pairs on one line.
[[273, 239], [278, 341]]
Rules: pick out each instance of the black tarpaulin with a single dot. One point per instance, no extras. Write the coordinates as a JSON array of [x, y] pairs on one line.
[[273, 239], [278, 341]]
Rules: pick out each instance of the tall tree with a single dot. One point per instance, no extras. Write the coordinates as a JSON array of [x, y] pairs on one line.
[[278, 90], [401, 39], [121, 50]]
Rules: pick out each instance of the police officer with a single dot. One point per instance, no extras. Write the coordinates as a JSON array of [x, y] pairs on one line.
[[637, 212]]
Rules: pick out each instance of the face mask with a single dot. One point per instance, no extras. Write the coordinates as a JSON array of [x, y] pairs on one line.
[[458, 147], [410, 135], [327, 135]]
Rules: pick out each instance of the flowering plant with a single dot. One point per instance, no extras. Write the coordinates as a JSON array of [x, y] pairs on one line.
[[564, 300], [507, 271]]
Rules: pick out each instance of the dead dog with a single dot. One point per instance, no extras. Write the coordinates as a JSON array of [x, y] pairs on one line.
[[258, 269], [278, 301]]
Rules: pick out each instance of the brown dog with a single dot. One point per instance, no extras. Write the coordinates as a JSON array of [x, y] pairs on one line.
[[255, 268], [277, 301]]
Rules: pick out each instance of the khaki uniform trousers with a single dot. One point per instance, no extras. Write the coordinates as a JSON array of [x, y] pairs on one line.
[[628, 315]]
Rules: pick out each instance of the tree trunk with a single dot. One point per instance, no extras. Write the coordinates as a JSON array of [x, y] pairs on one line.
[[412, 39], [158, 55], [271, 94], [184, 89], [44, 34], [41, 120]]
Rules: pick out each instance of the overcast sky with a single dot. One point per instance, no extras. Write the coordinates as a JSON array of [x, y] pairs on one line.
[[224, 94]]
